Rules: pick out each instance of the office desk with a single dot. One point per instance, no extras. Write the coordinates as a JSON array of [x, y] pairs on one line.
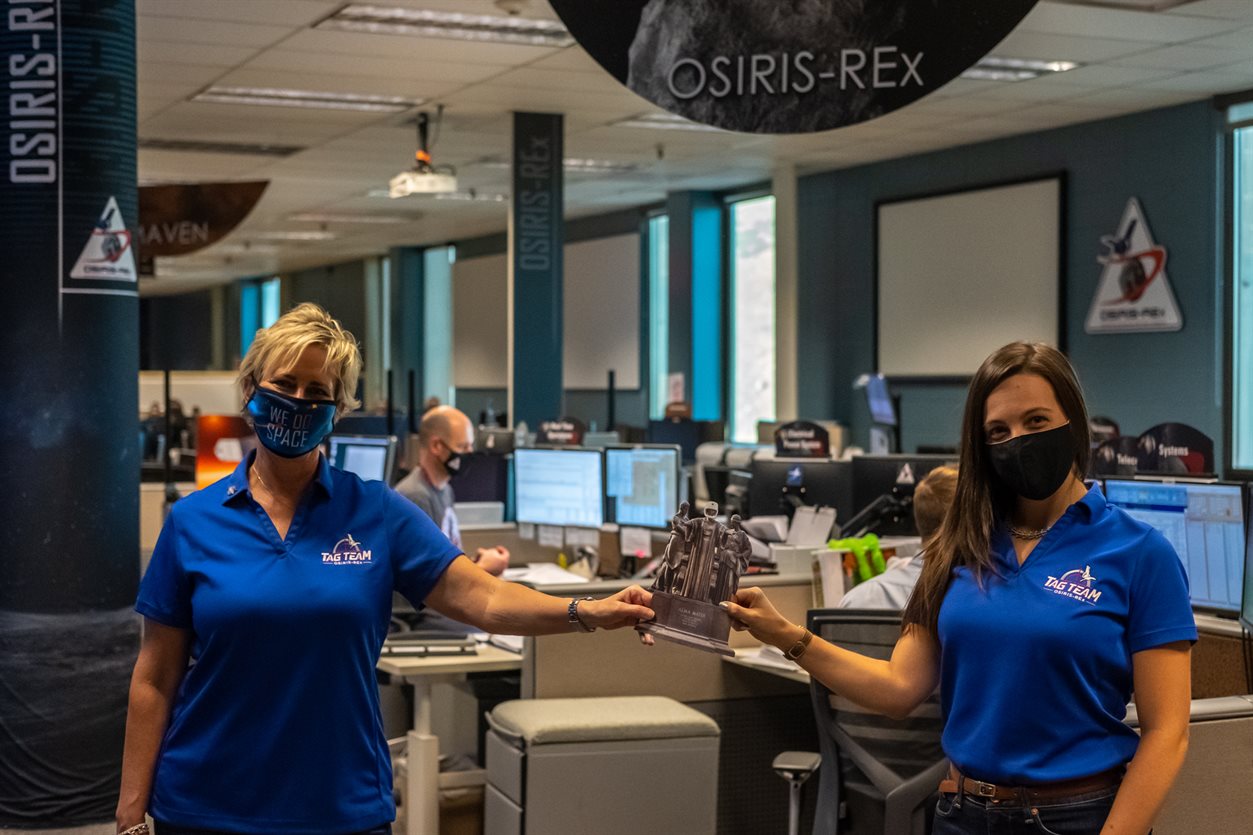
[[422, 777], [747, 657]]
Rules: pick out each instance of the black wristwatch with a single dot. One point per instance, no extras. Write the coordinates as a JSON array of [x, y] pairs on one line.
[[572, 615]]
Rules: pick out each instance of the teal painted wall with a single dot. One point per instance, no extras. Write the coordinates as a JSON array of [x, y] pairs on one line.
[[1171, 159]]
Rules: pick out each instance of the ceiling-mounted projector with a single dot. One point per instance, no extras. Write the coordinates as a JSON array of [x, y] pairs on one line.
[[424, 177], [421, 182]]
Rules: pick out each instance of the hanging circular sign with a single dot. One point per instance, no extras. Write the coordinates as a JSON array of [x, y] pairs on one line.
[[787, 66]]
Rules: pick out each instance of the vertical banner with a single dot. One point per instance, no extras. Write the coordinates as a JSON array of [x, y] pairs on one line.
[[536, 238], [69, 456]]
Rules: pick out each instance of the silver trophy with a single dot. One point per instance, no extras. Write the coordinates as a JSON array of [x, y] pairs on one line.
[[701, 568]]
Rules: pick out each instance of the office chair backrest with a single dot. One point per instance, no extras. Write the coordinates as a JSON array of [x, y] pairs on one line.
[[899, 760]]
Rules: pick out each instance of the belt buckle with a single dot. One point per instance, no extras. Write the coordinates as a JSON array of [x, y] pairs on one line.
[[985, 789]]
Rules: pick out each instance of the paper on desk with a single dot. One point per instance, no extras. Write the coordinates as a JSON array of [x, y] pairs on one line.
[[542, 573], [551, 536], [771, 657], [513, 643], [811, 527]]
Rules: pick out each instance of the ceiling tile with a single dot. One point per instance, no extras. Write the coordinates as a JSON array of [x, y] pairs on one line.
[[154, 29], [1049, 47], [289, 12], [1182, 58], [1150, 27]]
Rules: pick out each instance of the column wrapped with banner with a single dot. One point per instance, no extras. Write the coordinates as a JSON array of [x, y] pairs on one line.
[[69, 457]]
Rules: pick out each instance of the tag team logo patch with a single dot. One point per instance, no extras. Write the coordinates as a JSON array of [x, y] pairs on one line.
[[1075, 584], [347, 551]]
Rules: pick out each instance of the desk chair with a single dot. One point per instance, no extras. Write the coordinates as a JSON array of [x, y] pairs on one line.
[[879, 774]]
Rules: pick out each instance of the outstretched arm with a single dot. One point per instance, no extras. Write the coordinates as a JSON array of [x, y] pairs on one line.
[[894, 687], [468, 594]]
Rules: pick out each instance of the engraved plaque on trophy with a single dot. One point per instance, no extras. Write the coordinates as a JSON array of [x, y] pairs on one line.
[[702, 566]]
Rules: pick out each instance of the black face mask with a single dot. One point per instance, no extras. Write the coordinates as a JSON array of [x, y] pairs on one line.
[[456, 463], [1035, 466]]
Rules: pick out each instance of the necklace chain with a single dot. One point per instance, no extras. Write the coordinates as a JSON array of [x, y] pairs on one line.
[[1021, 533], [282, 500]]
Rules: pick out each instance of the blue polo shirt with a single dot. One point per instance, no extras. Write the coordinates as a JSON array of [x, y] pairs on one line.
[[1035, 667], [276, 727]]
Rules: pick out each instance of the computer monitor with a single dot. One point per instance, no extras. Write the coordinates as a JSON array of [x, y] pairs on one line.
[[371, 457], [559, 487], [1246, 606], [642, 484], [779, 485], [896, 475], [1205, 524], [882, 411], [484, 477]]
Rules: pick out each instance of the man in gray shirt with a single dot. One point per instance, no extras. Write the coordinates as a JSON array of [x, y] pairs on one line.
[[891, 590], [445, 436]]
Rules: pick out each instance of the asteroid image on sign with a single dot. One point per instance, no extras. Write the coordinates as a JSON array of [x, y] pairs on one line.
[[787, 66]]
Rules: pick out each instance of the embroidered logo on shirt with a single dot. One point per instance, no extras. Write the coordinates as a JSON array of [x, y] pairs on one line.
[[1075, 584], [347, 551]]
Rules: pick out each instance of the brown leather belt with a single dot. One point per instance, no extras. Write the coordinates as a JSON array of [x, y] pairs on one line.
[[1030, 794]]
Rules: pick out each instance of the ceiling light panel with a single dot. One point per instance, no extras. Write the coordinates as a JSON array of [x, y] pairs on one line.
[[194, 146], [665, 121], [284, 97], [472, 196], [295, 236], [997, 68], [425, 23], [320, 217]]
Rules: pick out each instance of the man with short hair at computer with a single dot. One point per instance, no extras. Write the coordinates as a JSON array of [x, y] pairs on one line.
[[891, 590], [445, 436]]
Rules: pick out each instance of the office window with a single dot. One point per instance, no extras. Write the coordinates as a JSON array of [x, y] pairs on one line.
[[1242, 315], [752, 316], [658, 314], [258, 308]]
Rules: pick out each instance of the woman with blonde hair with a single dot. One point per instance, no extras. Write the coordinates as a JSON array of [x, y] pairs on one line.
[[1039, 611], [277, 581]]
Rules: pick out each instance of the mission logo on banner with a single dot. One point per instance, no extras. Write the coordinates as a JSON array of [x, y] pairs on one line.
[[1134, 292], [764, 66], [108, 253], [802, 439]]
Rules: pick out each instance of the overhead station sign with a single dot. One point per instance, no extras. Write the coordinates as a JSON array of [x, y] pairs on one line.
[[761, 66]]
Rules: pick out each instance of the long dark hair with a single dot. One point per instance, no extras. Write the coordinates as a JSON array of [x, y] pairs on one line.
[[981, 501]]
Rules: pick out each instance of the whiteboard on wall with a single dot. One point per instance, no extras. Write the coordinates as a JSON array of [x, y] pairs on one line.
[[480, 308], [960, 275], [601, 303], [600, 313]]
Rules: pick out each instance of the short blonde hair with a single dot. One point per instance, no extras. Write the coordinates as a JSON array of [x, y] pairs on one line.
[[932, 498], [281, 344]]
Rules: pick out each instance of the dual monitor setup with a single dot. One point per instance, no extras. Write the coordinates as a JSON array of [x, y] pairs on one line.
[[636, 485]]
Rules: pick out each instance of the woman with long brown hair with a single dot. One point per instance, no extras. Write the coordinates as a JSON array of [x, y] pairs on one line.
[[1039, 611]]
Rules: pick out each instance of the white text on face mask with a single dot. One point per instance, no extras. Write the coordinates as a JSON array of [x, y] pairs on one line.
[[294, 436]]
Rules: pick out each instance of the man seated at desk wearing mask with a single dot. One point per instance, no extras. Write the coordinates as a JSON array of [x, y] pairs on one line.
[[445, 436], [891, 590]]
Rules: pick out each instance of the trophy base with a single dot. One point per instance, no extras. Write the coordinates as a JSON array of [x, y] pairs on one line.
[[692, 623]]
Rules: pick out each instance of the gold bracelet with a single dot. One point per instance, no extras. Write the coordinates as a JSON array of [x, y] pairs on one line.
[[137, 829], [798, 649]]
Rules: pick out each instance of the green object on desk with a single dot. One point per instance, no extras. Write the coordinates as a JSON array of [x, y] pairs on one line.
[[867, 555]]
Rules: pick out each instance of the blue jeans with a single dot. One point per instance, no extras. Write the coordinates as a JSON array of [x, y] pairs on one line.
[[171, 829], [1083, 814]]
